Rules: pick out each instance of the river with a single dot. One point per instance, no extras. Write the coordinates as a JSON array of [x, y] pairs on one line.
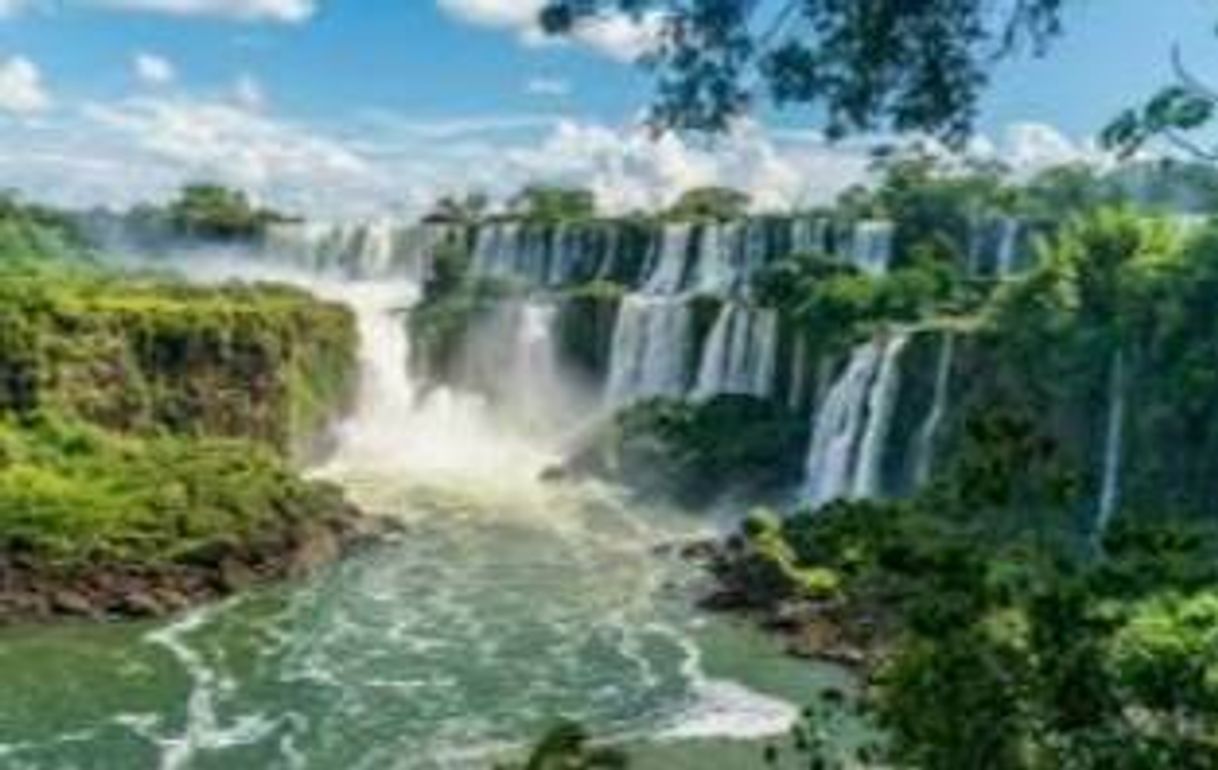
[[504, 604]]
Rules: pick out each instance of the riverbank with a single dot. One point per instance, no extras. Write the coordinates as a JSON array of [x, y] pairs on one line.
[[36, 591]]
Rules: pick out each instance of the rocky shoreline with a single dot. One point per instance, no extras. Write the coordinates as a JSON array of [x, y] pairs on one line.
[[827, 629], [33, 591]]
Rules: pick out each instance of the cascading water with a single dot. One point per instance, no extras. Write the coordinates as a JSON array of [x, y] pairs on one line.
[[668, 270], [714, 271], [740, 353], [925, 442], [380, 249], [851, 426], [1110, 485], [871, 249], [1009, 229], [650, 349]]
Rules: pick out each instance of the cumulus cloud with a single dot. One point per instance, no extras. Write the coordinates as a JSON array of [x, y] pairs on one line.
[[165, 142], [629, 169], [22, 91], [285, 11], [153, 69], [617, 36]]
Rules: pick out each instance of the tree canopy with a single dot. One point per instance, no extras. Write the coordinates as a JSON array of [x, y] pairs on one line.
[[869, 65], [717, 203]]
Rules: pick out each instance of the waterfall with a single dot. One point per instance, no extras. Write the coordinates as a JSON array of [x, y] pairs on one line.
[[808, 236], [1009, 229], [496, 250], [713, 273], [668, 269], [871, 247], [928, 433], [850, 428], [740, 354], [380, 249], [536, 385], [650, 349], [1110, 487], [757, 250], [880, 404]]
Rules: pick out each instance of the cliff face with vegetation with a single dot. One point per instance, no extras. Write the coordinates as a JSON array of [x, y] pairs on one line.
[[141, 356], [147, 429]]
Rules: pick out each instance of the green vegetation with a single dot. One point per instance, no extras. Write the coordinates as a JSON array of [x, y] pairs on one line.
[[714, 204], [552, 205], [696, 452], [454, 303], [212, 211], [143, 355], [73, 495], [567, 746], [147, 422], [1003, 649]]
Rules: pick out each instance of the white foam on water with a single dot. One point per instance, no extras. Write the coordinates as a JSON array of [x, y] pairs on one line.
[[203, 730], [722, 708]]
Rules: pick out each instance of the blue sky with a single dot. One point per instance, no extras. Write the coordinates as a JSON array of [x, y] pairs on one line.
[[354, 106]]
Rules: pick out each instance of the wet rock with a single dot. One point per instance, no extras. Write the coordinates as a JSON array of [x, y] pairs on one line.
[[140, 604], [700, 551], [234, 575], [68, 602]]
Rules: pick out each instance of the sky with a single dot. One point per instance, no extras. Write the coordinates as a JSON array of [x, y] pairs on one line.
[[355, 108]]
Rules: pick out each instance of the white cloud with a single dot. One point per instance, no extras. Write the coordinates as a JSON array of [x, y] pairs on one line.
[[153, 69], [164, 142], [286, 11], [22, 91], [505, 14], [620, 37], [1031, 147], [617, 35], [546, 86], [248, 92], [629, 169]]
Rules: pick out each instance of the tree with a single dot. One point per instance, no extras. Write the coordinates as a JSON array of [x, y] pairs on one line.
[[1175, 113], [466, 210], [544, 203], [715, 203], [871, 65], [213, 211]]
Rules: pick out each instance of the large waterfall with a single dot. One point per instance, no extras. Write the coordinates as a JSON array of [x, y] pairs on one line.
[[850, 427], [654, 350]]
